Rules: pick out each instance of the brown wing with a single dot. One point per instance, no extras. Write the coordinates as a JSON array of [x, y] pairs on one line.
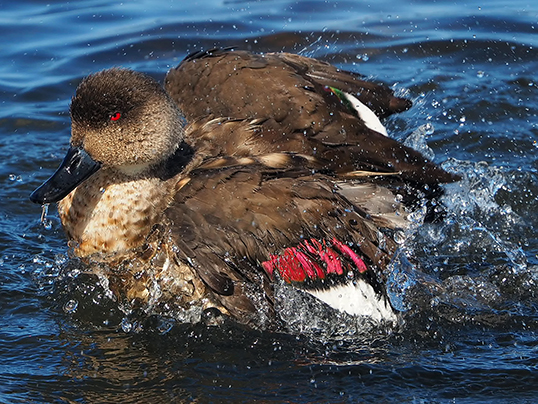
[[286, 96], [228, 222], [288, 89], [377, 158], [245, 85]]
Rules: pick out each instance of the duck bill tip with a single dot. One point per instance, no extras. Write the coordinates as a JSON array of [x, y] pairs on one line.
[[76, 168]]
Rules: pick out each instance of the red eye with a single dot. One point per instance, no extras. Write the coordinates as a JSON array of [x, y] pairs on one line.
[[115, 117]]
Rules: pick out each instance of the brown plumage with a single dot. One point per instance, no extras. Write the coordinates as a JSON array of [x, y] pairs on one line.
[[288, 96], [274, 176]]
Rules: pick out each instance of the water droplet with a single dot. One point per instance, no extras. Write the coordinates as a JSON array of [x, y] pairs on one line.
[[70, 306], [165, 325], [126, 325], [44, 211], [47, 224], [399, 237]]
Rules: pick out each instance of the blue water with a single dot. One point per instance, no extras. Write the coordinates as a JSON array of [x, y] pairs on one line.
[[469, 331]]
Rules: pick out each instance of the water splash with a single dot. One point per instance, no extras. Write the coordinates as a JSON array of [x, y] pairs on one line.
[[473, 210], [47, 224], [469, 265], [417, 140], [303, 314], [402, 276]]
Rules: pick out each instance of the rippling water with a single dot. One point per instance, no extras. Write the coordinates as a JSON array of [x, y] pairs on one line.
[[469, 331]]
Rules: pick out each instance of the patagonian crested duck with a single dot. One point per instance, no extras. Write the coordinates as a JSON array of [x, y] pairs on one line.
[[243, 171]]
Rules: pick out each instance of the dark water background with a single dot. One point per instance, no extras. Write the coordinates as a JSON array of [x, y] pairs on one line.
[[469, 331]]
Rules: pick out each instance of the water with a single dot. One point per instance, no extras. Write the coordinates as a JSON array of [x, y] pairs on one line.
[[469, 330]]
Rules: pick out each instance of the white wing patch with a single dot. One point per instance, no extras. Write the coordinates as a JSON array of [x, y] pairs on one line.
[[357, 298], [367, 115]]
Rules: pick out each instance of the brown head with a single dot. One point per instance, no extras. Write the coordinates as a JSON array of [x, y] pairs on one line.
[[124, 118], [121, 119]]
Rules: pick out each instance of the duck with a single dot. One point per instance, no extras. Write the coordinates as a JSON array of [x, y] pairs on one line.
[[244, 173]]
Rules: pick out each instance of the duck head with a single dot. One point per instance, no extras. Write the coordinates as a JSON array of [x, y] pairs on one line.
[[121, 119]]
